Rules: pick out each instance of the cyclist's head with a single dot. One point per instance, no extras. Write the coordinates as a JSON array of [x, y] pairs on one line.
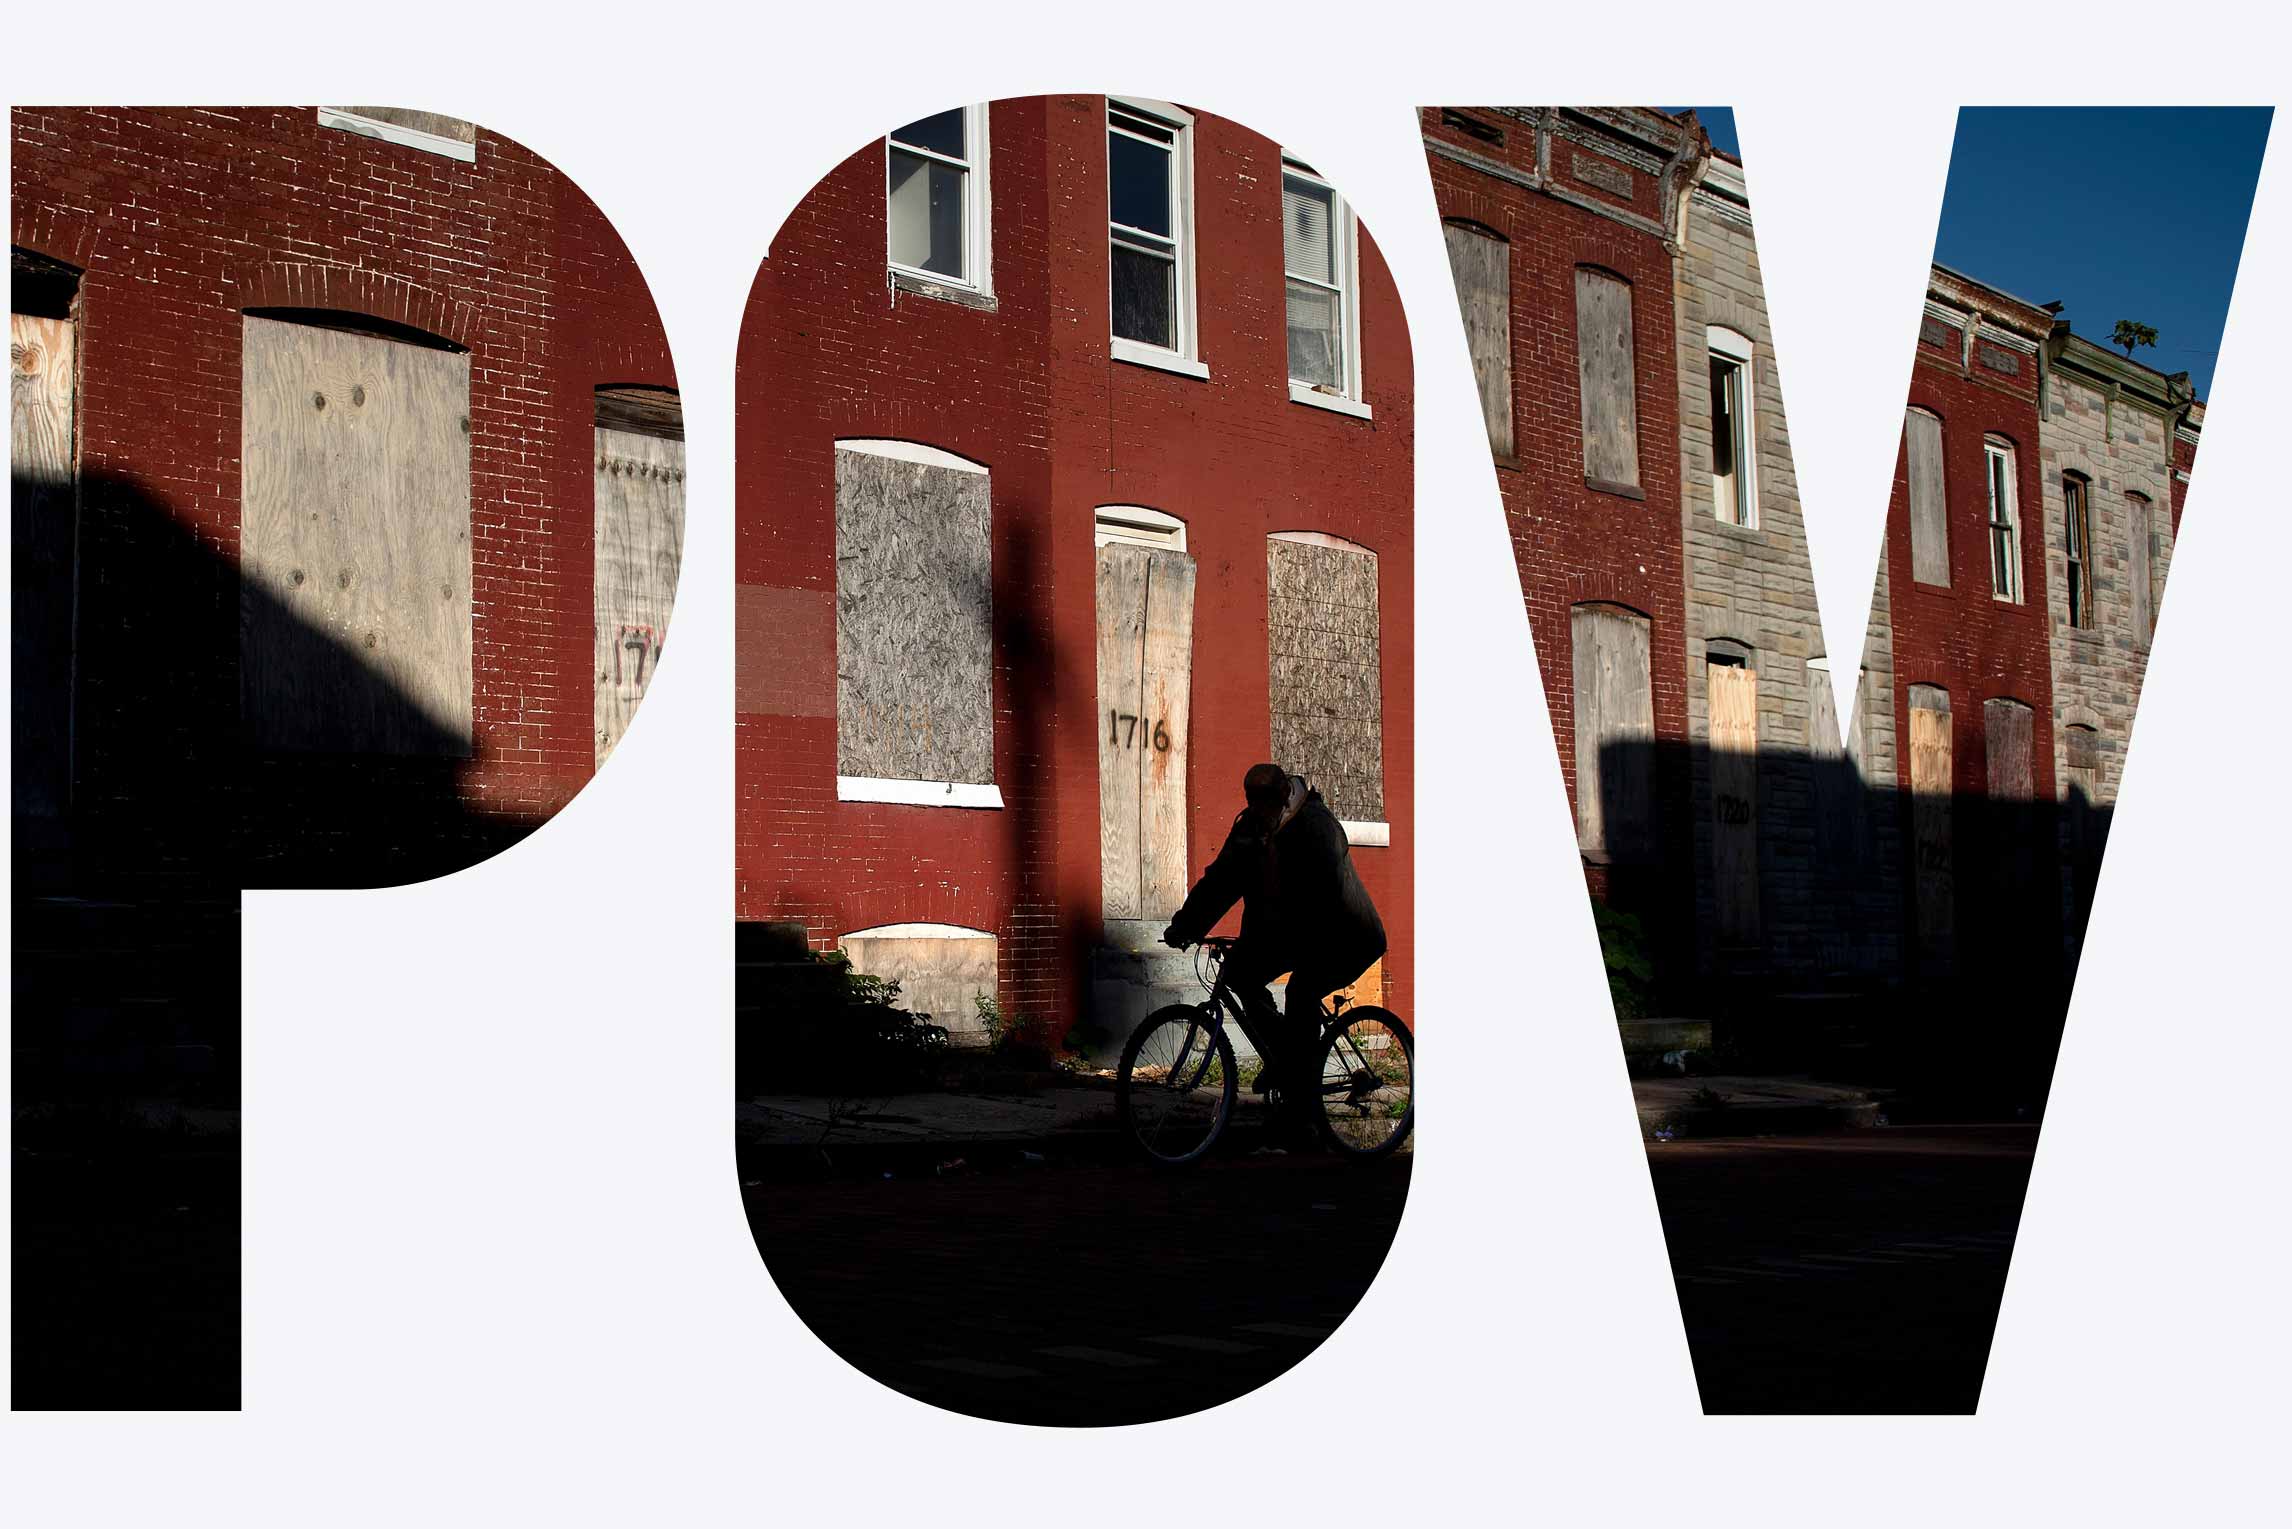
[[1266, 787]]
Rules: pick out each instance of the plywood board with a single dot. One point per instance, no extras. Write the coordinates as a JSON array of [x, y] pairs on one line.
[[914, 621], [43, 514], [639, 547], [1734, 706], [1605, 370], [1326, 698], [1930, 823], [1482, 268], [1615, 734], [355, 543], [1929, 513], [942, 975], [1145, 685], [2007, 728]]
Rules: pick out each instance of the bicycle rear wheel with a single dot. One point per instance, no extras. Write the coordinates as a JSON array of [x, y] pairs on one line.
[[1367, 1101], [1174, 1090]]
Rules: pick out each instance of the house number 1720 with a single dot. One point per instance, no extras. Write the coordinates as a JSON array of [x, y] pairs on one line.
[[1125, 731]]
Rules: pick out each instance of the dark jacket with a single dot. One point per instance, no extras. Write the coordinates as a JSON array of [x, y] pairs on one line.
[[1303, 903]]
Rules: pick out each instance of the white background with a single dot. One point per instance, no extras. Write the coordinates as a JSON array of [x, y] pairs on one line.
[[496, 1268]]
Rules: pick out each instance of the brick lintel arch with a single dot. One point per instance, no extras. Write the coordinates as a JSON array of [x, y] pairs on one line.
[[345, 289]]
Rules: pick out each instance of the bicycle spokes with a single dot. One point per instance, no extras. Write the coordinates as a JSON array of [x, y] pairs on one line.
[[1367, 1092]]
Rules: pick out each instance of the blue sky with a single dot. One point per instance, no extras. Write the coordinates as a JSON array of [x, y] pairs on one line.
[[2116, 212]]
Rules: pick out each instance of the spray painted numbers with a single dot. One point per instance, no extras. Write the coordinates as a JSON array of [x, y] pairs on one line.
[[1125, 731]]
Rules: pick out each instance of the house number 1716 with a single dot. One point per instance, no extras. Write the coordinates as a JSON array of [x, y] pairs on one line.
[[1125, 731]]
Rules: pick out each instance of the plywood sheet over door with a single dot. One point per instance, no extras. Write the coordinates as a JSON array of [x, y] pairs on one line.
[[640, 543], [1931, 784], [355, 633], [43, 515], [1734, 701], [1145, 685]]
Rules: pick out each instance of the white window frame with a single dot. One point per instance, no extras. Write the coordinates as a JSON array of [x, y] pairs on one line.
[[1347, 228], [1740, 352], [1185, 357], [978, 210], [1999, 465]]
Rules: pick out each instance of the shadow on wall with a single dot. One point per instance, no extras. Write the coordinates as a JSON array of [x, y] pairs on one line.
[[125, 1020], [1829, 915]]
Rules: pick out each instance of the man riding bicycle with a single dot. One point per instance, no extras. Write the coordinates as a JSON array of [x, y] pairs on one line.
[[1304, 911]]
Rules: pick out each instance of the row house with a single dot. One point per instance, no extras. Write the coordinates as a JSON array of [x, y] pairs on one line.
[[2116, 441], [1074, 477], [349, 480], [1564, 229]]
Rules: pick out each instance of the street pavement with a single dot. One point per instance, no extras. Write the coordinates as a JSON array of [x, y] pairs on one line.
[[1081, 1292], [1854, 1272]]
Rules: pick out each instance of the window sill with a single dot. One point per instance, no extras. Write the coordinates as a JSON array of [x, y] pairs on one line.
[[394, 132], [917, 793], [1368, 835], [1161, 360], [1335, 403], [1620, 490], [921, 285], [1724, 524]]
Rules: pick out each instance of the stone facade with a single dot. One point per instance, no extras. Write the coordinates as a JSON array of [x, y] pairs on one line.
[[2109, 431]]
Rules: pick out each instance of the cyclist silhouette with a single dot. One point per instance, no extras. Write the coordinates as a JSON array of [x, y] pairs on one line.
[[1304, 911]]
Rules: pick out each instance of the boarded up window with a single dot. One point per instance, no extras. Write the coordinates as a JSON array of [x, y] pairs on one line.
[[1733, 693], [1930, 824], [1604, 366], [942, 970], [1615, 734], [2140, 531], [1929, 516], [1840, 814], [1322, 650], [639, 545], [2008, 746], [355, 542], [2082, 746], [1145, 683], [44, 515], [1482, 266], [914, 617]]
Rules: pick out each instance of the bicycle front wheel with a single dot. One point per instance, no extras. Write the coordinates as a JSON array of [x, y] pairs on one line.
[[1367, 1101], [1174, 1091]]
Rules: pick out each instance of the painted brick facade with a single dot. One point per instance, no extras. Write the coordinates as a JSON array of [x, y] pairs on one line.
[[1026, 386], [1567, 189], [181, 220]]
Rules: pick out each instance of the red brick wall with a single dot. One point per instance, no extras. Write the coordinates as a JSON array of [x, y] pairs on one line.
[[1574, 543], [181, 219], [1029, 390]]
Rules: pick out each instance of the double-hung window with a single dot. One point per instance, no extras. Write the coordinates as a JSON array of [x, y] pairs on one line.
[[2077, 543], [1149, 215], [935, 180], [2005, 520], [1734, 467], [1320, 265]]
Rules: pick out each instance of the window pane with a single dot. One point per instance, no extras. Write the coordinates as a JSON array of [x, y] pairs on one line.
[[1138, 184], [1309, 231], [1145, 297], [926, 213], [1316, 343], [1726, 498], [942, 134]]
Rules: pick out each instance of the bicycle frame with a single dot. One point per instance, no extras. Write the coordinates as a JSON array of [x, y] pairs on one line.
[[1226, 1003]]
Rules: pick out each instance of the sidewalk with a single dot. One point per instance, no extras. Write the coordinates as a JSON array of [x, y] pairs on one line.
[[1724, 1105]]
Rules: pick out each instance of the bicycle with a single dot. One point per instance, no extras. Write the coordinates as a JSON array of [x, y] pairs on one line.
[[1175, 1088]]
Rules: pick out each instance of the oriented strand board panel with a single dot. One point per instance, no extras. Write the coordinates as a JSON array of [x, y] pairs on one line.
[[639, 546], [2008, 730], [1326, 697], [1604, 366], [914, 620], [355, 543], [1929, 514], [1734, 698], [43, 518], [942, 971], [1930, 823], [1615, 734], [1482, 267], [1145, 691]]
